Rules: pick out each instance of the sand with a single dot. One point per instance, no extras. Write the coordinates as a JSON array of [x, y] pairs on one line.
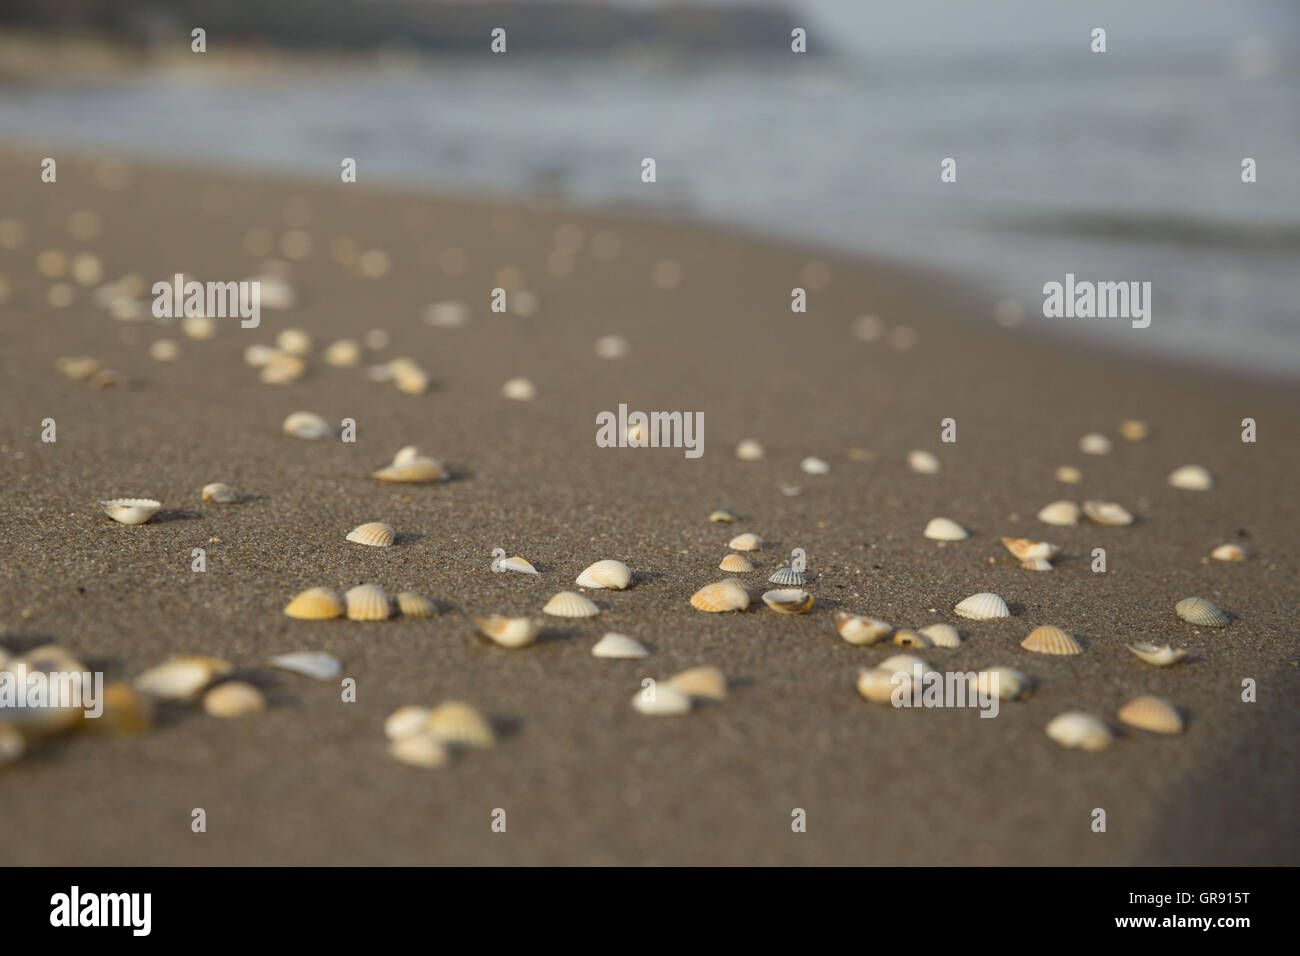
[[583, 778]]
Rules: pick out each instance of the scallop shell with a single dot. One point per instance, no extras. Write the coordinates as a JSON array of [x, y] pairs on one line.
[[415, 605], [728, 595], [911, 639], [455, 722], [1079, 730], [516, 563], [220, 493], [666, 701], [749, 450], [746, 542], [923, 462], [419, 750], [512, 632], [814, 466], [315, 604], [1060, 513], [736, 564], [519, 389], [1153, 714], [1228, 552], [130, 510], [706, 682], [605, 574], [945, 529], [1132, 429], [1157, 655], [1050, 640], [234, 698], [1196, 610], [1006, 682], [860, 630], [307, 425], [416, 471], [942, 635], [723, 515], [878, 685], [788, 600], [376, 534], [309, 664], [406, 721], [787, 576], [619, 647], [368, 602], [1107, 513], [1095, 444], [570, 604], [1191, 478], [181, 678], [1025, 549], [982, 607]]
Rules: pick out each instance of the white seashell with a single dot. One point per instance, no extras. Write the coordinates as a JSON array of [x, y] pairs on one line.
[[1036, 564], [293, 342], [788, 600], [376, 534], [307, 425], [181, 678], [746, 542], [908, 664], [519, 389], [315, 604], [408, 454], [611, 347], [1157, 655], [1006, 683], [787, 577], [512, 632], [415, 605], [1069, 475], [723, 516], [701, 682], [749, 450], [1196, 610], [569, 604], [516, 563], [406, 721], [923, 462], [282, 369], [1107, 513], [1050, 640], [461, 725], [345, 353], [728, 595], [1079, 730], [945, 529], [419, 750], [1191, 478], [416, 471], [605, 574], [942, 635], [736, 564], [1228, 552], [309, 664], [78, 368], [1061, 513], [1132, 429], [367, 602], [983, 607], [165, 350], [1094, 444], [662, 700], [258, 354], [860, 631], [220, 493], [234, 698], [619, 647], [446, 315], [878, 685], [814, 466], [130, 510], [1025, 549], [1153, 714]]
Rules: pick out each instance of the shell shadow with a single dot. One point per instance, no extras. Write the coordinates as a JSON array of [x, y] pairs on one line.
[[176, 514]]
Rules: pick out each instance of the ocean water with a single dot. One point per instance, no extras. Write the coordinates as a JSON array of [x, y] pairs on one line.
[[1115, 166]]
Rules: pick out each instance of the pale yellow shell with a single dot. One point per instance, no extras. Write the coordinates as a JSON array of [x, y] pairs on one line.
[[345, 353], [1025, 548], [982, 607], [1228, 552], [368, 602], [923, 462], [945, 529], [723, 516], [705, 681], [375, 534], [1133, 429], [406, 721], [181, 678], [664, 700], [512, 632], [516, 563], [728, 595], [234, 698], [605, 574], [942, 635], [12, 745], [416, 471], [415, 605], [1191, 478], [1095, 443], [307, 425], [619, 647], [570, 604], [1050, 640], [736, 564], [860, 630], [294, 341], [455, 722], [1069, 475], [1153, 714], [1108, 513], [309, 664], [419, 750], [1079, 730], [1199, 611], [878, 685], [519, 390], [1036, 564], [315, 604], [788, 600], [746, 542], [1006, 682], [1060, 513], [749, 450]]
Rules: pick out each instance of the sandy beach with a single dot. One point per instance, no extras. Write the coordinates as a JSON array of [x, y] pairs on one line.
[[583, 777]]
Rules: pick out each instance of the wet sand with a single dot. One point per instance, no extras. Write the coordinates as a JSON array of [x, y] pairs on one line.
[[583, 778]]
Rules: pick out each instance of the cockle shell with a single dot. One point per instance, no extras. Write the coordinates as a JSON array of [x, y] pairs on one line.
[[923, 462], [1061, 513], [415, 471], [705, 681], [315, 604], [1107, 513], [911, 639], [376, 534], [727, 595], [662, 700], [1006, 682], [407, 721], [368, 602], [415, 605], [619, 647], [457, 723], [605, 574], [234, 698], [786, 576], [982, 607], [1094, 444], [309, 664], [736, 564], [860, 630], [749, 450], [1191, 478], [945, 529], [1153, 714], [512, 632], [307, 425], [1079, 730], [1196, 610], [942, 635], [516, 563], [746, 542], [1050, 640], [1024, 548], [130, 510], [723, 515], [1228, 552], [181, 678], [788, 600], [570, 604], [419, 750], [1157, 655], [220, 493]]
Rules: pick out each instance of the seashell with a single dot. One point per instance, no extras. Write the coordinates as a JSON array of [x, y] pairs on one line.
[[307, 425], [367, 602], [1195, 610], [199, 327], [1061, 513], [345, 353], [78, 368], [945, 529], [1079, 730], [1153, 714], [258, 354], [1157, 655], [516, 563], [723, 515], [277, 293], [408, 454], [908, 664], [282, 369], [519, 389], [1006, 683], [736, 564], [1107, 513], [1050, 640], [416, 471], [858, 630], [376, 534], [1228, 552], [706, 682], [912, 639], [612, 347], [512, 632], [406, 721], [746, 542], [662, 700], [1191, 478], [749, 450], [788, 600], [1036, 564], [727, 595], [1132, 429], [569, 604], [1024, 548], [1069, 475], [315, 604], [164, 350], [293, 342], [878, 685], [611, 574], [619, 647], [461, 725], [923, 462], [12, 745], [415, 605], [181, 678], [982, 607], [788, 576], [942, 635], [126, 710], [419, 750], [130, 510], [309, 664], [446, 315], [1094, 444], [234, 698], [48, 659], [108, 378], [411, 380], [814, 466], [220, 493]]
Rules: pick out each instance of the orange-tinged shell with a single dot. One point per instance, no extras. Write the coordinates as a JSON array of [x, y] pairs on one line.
[[1050, 640], [728, 595]]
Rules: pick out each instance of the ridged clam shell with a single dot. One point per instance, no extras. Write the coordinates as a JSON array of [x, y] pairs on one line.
[[181, 678], [419, 750], [788, 600], [668, 701], [1024, 548], [945, 529], [220, 493], [911, 639], [923, 462], [1157, 655], [1107, 513], [736, 564], [749, 450], [942, 635], [605, 574], [1196, 610], [1153, 714], [1095, 443], [860, 630], [746, 542], [1079, 730], [368, 602], [307, 425], [1191, 478], [415, 471], [1006, 682], [1228, 552], [415, 605], [728, 595], [1050, 640], [788, 576], [309, 664], [705, 681], [455, 722], [130, 510], [234, 698], [407, 721], [619, 647], [376, 534], [1060, 513], [316, 604], [982, 607], [517, 563], [570, 604], [723, 516], [512, 632]]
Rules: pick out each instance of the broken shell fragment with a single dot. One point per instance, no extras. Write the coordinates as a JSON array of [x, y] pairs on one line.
[[1196, 610], [416, 471], [945, 529], [375, 534], [727, 595], [130, 510], [942, 635], [701, 682], [181, 678], [662, 700], [746, 542], [367, 602], [1050, 640], [1191, 478], [516, 563], [619, 647], [605, 574], [307, 425], [315, 604], [788, 600], [457, 723], [1228, 552], [1061, 513], [220, 493], [570, 604], [234, 698], [982, 607], [858, 630], [419, 750], [787, 576], [923, 462], [309, 664], [415, 605], [1153, 714], [1107, 513], [1157, 655], [512, 632], [1079, 730], [1024, 548], [736, 564]]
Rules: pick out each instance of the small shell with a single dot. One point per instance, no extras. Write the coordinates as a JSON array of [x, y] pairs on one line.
[[942, 635], [1107, 513], [1060, 513], [749, 450], [911, 639], [1153, 714], [611, 347], [220, 493], [130, 510], [723, 515], [415, 471], [259, 354], [448, 314], [1191, 478], [407, 454], [788, 600], [376, 534], [619, 647], [570, 604], [512, 632], [1157, 655], [419, 750], [1069, 475], [923, 462], [1094, 444], [736, 564], [746, 542], [108, 378], [78, 368], [164, 350], [663, 700], [945, 529], [860, 630], [1132, 429], [309, 664], [181, 678], [605, 574], [415, 605], [908, 664], [294, 341], [127, 710], [1006, 682], [12, 745], [728, 595], [786, 576], [315, 604], [878, 685], [461, 725], [1228, 552], [1036, 564], [307, 425], [406, 721], [982, 607], [345, 353], [282, 369], [814, 466], [368, 602], [1075, 729], [1195, 610], [516, 563], [706, 682], [1024, 548], [411, 380], [519, 389], [1050, 640], [234, 698]]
